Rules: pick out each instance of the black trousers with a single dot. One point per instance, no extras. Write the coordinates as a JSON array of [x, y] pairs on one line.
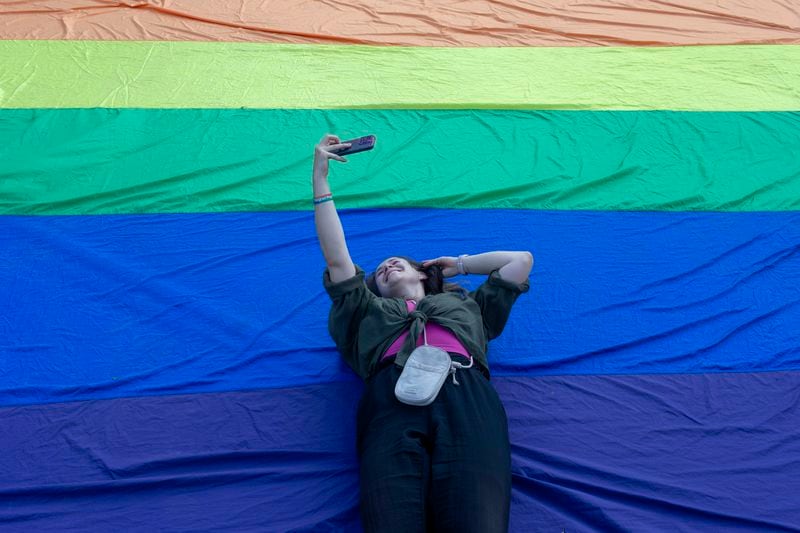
[[442, 467]]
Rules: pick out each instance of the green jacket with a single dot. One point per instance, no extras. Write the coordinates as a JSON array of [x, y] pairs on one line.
[[364, 325]]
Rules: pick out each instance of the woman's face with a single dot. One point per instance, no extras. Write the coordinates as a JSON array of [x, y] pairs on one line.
[[396, 273]]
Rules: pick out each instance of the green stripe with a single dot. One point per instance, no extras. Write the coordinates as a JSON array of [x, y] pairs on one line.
[[97, 161], [232, 75]]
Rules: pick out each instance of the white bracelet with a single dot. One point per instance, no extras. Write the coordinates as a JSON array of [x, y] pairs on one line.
[[460, 264]]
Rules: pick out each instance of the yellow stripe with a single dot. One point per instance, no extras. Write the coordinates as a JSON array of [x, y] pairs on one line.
[[229, 75]]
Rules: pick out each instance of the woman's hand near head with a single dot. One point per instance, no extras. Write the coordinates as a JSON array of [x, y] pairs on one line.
[[513, 266], [448, 264]]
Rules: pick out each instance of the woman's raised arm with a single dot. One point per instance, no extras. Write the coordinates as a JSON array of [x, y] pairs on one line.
[[329, 228]]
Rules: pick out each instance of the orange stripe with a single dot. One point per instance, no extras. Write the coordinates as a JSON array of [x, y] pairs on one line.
[[407, 22]]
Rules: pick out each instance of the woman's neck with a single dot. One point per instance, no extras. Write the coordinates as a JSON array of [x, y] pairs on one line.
[[416, 293]]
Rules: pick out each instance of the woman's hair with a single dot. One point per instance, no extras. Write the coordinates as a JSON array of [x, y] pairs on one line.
[[433, 284]]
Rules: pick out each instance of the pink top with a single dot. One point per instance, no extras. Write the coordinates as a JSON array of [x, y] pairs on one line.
[[438, 336]]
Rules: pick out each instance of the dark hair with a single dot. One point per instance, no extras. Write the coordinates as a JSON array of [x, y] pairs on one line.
[[434, 282]]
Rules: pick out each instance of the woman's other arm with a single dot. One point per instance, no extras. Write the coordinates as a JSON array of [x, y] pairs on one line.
[[512, 266], [329, 228]]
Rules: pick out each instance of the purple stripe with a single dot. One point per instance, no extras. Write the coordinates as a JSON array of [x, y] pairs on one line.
[[274, 460], [673, 452], [680, 452]]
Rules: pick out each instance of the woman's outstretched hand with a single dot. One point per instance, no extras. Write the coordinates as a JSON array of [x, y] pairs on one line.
[[446, 263], [324, 150]]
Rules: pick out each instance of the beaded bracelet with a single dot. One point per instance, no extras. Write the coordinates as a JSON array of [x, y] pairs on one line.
[[322, 199]]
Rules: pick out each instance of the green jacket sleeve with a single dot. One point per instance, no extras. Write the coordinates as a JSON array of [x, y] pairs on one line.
[[350, 301], [496, 297]]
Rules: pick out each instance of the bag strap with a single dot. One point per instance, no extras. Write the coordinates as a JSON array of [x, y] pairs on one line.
[[458, 366]]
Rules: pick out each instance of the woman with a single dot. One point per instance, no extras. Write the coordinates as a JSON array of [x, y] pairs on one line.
[[445, 466]]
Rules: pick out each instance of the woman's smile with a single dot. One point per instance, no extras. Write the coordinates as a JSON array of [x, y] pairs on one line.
[[392, 265], [391, 270]]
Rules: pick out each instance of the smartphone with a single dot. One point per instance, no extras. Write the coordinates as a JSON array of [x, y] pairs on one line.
[[357, 145]]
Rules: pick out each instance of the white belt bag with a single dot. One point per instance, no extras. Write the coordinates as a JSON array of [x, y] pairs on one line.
[[424, 373]]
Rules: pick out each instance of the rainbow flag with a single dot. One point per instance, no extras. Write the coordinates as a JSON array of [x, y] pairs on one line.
[[164, 357]]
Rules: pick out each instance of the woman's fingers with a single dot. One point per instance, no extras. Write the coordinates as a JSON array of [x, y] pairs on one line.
[[338, 146], [333, 147], [446, 263], [329, 145], [443, 261], [330, 138]]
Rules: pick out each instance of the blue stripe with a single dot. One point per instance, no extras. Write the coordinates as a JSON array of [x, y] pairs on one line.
[[715, 452], [113, 306]]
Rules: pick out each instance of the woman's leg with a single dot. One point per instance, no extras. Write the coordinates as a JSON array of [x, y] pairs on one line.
[[393, 448], [471, 460]]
